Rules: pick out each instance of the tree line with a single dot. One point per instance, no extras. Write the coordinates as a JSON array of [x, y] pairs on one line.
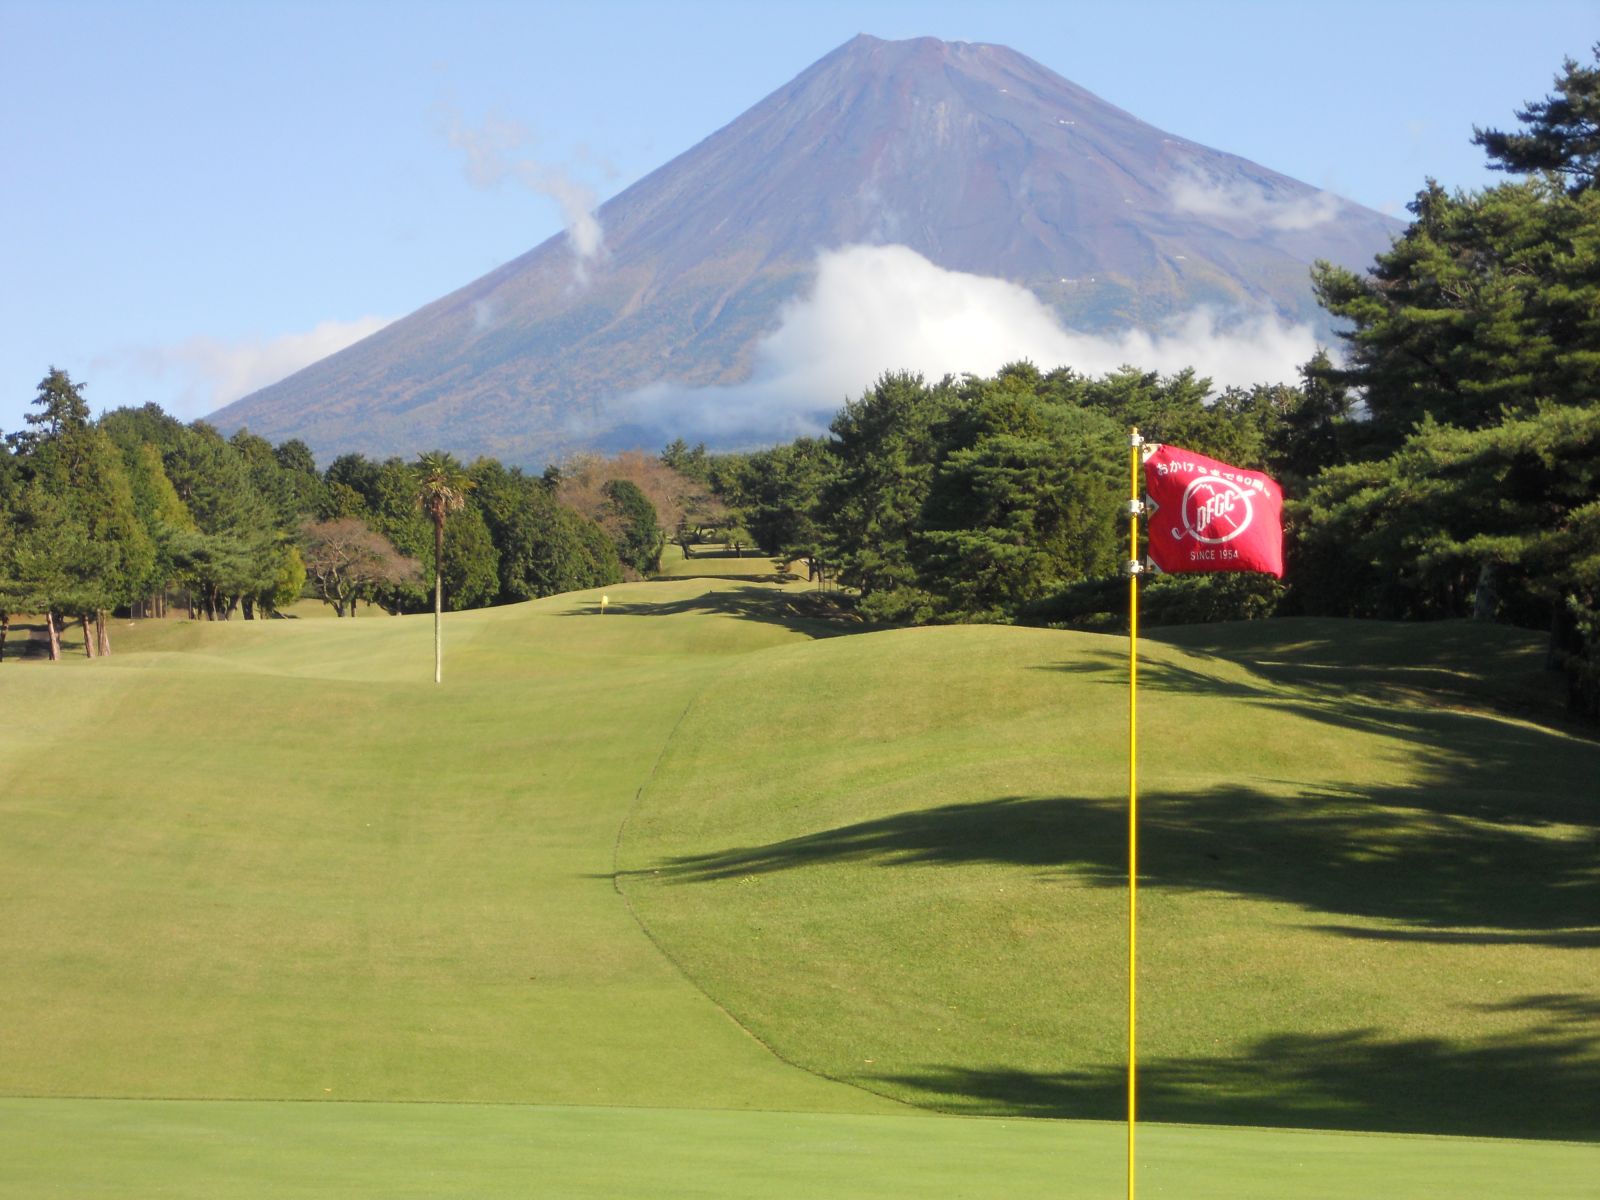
[[124, 512]]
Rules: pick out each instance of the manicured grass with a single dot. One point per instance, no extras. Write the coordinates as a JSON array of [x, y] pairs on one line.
[[271, 861], [200, 1150], [1357, 912]]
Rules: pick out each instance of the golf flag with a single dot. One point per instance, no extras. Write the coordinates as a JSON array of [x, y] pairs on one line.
[[1207, 516], [1202, 515]]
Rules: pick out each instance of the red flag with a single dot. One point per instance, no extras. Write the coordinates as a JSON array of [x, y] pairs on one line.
[[1208, 516]]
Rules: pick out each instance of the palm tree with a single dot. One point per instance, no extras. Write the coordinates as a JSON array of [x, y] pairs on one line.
[[442, 487]]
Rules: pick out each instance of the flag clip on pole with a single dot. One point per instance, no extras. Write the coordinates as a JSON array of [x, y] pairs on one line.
[[1135, 508]]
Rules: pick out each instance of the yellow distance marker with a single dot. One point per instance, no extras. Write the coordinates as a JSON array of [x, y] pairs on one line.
[[604, 599]]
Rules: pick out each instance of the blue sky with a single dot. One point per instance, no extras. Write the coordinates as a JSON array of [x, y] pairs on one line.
[[198, 198]]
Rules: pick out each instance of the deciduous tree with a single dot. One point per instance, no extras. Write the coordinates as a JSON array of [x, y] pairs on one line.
[[346, 561]]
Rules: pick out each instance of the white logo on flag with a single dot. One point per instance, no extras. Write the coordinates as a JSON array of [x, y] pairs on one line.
[[1214, 510]]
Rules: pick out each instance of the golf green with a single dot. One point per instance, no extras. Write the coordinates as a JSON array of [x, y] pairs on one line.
[[199, 1150]]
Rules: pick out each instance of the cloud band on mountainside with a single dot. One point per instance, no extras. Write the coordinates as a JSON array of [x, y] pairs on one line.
[[886, 308], [210, 372], [1193, 192]]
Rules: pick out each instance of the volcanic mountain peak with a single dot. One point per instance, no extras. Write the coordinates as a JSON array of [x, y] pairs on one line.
[[974, 156]]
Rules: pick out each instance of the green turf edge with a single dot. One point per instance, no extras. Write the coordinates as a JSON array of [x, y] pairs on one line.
[[180, 1149], [675, 963]]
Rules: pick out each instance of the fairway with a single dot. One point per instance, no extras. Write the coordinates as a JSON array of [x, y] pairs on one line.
[[270, 861], [285, 865]]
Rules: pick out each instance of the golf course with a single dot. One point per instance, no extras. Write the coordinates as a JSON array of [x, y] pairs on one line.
[[716, 893]]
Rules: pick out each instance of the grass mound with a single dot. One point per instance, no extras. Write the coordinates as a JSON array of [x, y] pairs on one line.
[[1366, 904]]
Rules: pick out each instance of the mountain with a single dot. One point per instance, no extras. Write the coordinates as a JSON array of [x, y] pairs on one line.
[[975, 157]]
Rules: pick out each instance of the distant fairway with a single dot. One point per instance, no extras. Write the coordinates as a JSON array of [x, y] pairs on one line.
[[713, 561], [271, 861]]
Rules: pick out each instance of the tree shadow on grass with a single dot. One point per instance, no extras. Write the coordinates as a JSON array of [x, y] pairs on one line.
[[1443, 878], [1466, 765], [1532, 1086], [724, 577], [1378, 666], [1561, 939], [1424, 857], [25, 640], [1378, 691]]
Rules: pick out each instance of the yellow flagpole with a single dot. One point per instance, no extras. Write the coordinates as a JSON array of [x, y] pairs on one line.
[[1134, 443]]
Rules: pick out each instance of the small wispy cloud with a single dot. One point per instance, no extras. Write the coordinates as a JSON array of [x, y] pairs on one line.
[[202, 373], [497, 152], [1245, 200], [886, 308]]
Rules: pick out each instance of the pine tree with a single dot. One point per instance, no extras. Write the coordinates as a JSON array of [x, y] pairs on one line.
[[1561, 133], [884, 446], [87, 551], [1475, 344], [1023, 502]]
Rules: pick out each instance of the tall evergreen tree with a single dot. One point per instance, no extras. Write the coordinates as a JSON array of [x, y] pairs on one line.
[[235, 553], [308, 492], [783, 501], [1475, 344], [61, 410], [1488, 304], [166, 519], [885, 448], [639, 538], [1023, 502], [89, 550], [1560, 134]]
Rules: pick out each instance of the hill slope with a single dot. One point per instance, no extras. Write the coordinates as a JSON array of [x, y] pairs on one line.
[[1357, 912], [974, 156]]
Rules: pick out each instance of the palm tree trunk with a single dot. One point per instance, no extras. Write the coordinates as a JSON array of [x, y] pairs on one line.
[[438, 599]]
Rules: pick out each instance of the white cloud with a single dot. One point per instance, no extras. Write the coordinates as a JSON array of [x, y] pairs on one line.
[[206, 373], [886, 308], [496, 153], [1242, 200]]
